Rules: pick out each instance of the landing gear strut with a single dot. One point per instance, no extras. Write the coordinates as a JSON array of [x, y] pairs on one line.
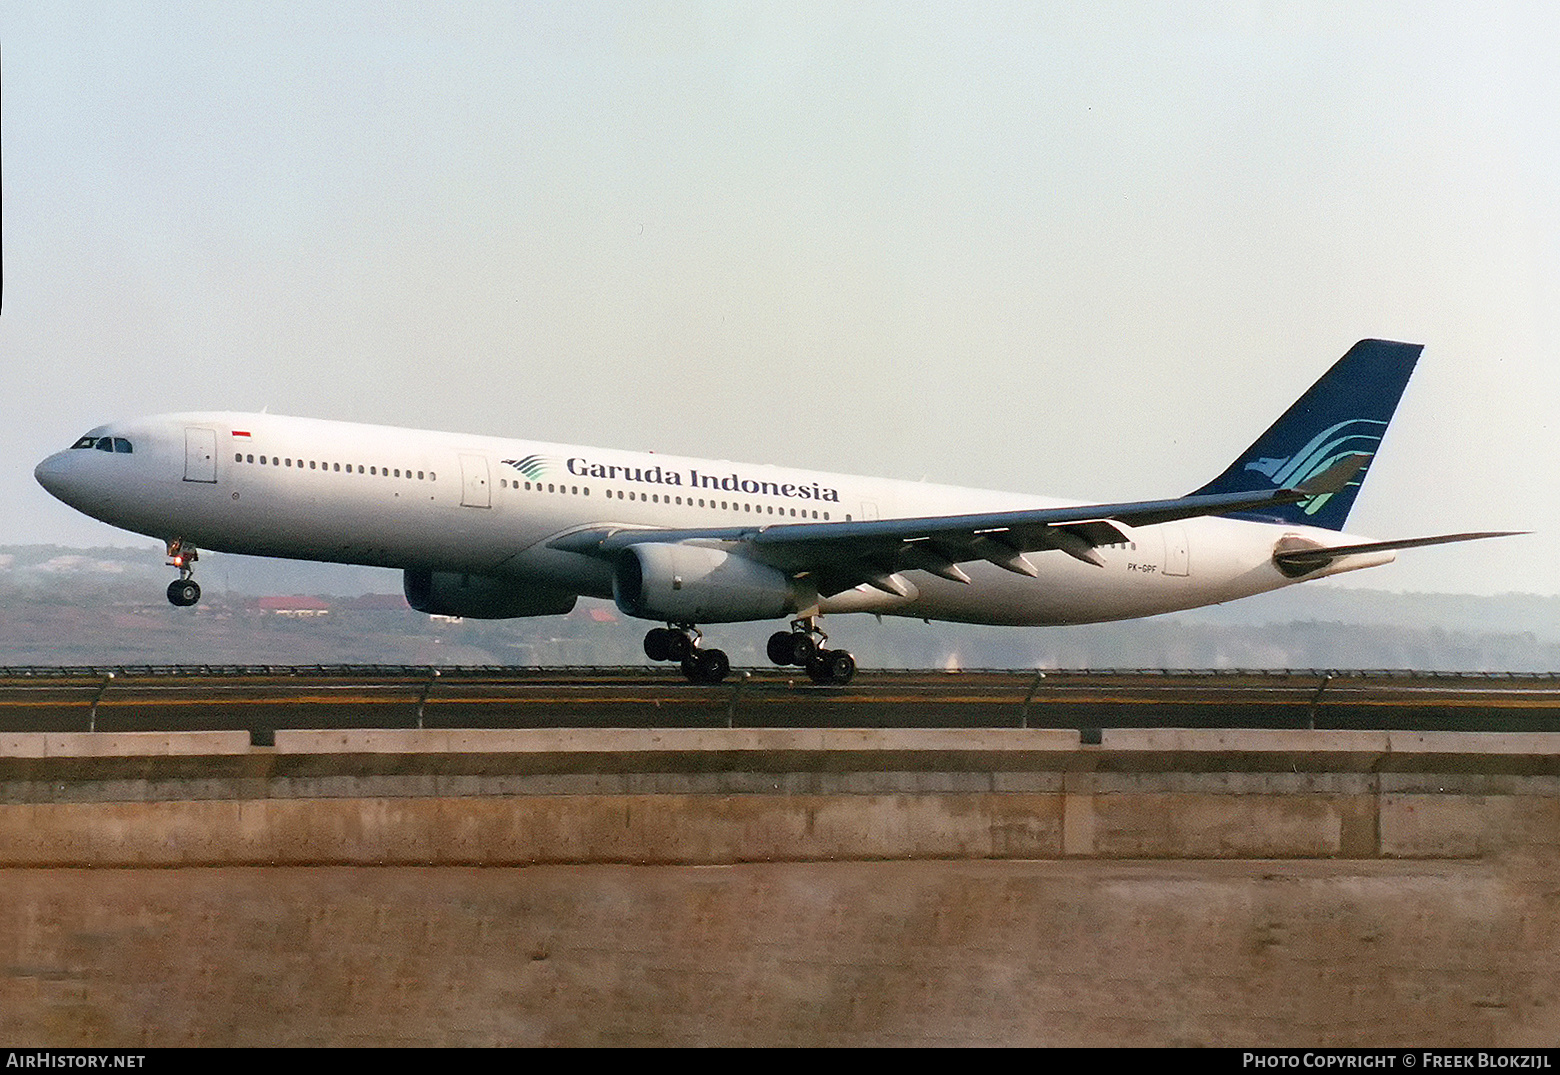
[[680, 642], [798, 646], [184, 590]]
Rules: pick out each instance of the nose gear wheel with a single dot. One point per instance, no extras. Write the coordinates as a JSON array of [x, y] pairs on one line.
[[183, 591]]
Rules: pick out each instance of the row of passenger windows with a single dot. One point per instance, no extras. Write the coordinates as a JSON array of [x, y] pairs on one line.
[[661, 498], [315, 464], [105, 444], [551, 487]]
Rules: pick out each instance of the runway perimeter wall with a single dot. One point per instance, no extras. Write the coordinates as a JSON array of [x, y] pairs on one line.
[[780, 887]]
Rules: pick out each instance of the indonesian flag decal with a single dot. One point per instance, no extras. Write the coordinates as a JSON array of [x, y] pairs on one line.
[[240, 432]]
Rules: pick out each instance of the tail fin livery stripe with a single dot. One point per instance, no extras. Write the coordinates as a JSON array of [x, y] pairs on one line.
[[1345, 413], [1363, 436]]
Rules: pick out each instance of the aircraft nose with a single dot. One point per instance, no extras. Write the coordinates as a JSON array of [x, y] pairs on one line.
[[53, 475]]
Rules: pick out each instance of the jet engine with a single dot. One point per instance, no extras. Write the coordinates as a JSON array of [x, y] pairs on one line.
[[481, 597], [695, 584]]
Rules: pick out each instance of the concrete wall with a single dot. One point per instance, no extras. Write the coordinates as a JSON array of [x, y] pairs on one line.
[[780, 887]]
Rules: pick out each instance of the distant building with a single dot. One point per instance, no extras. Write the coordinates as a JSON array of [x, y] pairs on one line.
[[374, 602], [299, 606]]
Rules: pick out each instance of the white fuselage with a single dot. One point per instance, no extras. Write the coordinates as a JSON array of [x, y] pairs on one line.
[[377, 495]]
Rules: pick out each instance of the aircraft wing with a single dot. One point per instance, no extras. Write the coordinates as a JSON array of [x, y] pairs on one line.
[[842, 555]]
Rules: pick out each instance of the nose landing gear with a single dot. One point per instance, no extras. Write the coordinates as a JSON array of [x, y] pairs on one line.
[[184, 590], [798, 646], [680, 642]]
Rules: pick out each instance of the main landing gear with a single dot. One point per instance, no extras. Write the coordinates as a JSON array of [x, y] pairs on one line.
[[681, 643], [798, 646], [801, 645], [183, 591]]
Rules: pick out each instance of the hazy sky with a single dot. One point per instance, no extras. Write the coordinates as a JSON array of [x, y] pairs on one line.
[[1077, 249]]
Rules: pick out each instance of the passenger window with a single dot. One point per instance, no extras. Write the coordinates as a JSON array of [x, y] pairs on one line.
[[249, 459], [311, 465], [238, 457], [419, 475]]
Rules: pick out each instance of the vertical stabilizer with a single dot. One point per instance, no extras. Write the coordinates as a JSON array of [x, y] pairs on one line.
[[1345, 413]]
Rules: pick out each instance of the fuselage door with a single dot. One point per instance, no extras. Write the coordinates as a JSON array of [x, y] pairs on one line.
[[474, 489], [200, 455], [1178, 558]]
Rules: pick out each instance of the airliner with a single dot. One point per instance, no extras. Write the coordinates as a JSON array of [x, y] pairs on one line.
[[496, 528]]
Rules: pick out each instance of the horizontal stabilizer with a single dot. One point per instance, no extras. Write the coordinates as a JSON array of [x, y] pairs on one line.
[[1299, 561]]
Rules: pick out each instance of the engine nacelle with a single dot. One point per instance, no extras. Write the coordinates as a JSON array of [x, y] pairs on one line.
[[481, 597], [693, 584]]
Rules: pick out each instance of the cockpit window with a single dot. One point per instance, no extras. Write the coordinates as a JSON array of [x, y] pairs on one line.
[[105, 444]]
